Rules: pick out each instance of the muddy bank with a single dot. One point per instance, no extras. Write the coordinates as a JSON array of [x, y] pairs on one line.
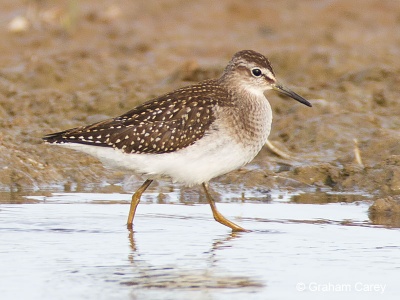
[[80, 62]]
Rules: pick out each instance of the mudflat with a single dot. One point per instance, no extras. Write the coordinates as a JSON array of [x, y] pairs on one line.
[[66, 64]]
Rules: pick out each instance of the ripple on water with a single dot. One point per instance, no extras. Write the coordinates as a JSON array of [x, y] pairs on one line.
[[78, 244]]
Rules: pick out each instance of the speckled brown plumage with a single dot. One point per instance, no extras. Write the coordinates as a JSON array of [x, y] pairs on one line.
[[165, 124]]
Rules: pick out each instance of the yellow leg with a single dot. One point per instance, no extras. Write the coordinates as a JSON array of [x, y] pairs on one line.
[[217, 215], [135, 201]]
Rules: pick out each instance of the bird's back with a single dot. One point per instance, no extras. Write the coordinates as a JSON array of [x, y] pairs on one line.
[[165, 124]]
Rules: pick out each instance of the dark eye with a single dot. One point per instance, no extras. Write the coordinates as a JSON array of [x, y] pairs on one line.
[[256, 72]]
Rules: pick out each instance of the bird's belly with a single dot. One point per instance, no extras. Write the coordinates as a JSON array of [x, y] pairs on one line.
[[203, 161], [207, 158]]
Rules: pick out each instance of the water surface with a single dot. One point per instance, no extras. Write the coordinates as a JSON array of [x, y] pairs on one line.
[[76, 246]]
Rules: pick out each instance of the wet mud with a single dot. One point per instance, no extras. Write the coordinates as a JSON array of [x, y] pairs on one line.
[[69, 63]]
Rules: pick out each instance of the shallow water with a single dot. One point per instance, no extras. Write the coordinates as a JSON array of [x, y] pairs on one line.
[[76, 246]]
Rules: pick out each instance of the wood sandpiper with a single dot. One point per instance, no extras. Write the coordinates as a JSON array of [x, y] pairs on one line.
[[190, 135]]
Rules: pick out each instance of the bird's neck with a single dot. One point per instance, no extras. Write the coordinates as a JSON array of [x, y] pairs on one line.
[[250, 117]]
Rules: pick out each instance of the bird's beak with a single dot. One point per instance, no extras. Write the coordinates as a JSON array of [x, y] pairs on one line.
[[286, 91]]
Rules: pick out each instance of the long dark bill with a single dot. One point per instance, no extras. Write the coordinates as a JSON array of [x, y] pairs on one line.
[[288, 92]]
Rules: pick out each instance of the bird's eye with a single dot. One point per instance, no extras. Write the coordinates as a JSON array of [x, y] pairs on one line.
[[256, 72]]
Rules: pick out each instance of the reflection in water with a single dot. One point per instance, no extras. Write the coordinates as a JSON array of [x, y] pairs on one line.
[[387, 220], [221, 244], [132, 245], [328, 197], [147, 276], [70, 238], [385, 211]]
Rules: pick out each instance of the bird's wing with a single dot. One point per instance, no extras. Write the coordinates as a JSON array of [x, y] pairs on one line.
[[164, 124]]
